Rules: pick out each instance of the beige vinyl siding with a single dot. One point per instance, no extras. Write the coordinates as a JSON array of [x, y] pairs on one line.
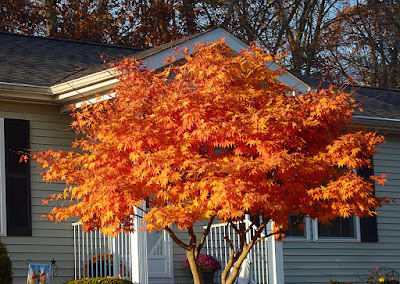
[[319, 262], [49, 240]]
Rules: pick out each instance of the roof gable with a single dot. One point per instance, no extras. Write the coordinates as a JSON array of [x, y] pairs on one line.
[[94, 80], [154, 57]]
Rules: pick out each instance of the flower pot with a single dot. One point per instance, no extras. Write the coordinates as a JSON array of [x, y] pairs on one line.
[[208, 277]]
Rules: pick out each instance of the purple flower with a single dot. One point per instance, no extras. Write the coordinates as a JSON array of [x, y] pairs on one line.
[[206, 263]]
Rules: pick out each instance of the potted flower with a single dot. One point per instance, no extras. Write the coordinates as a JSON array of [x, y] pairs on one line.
[[381, 275], [388, 281], [208, 266]]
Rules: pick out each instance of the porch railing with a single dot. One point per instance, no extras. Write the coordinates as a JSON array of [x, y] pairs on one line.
[[263, 256], [98, 255]]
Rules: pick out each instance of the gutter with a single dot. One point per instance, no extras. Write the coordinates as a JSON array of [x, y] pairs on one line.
[[26, 92], [376, 118], [64, 90], [378, 123], [22, 87]]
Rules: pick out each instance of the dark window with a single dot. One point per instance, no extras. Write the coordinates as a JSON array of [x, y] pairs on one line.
[[297, 227], [338, 228]]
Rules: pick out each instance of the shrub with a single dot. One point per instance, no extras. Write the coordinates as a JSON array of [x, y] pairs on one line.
[[100, 280], [5, 266]]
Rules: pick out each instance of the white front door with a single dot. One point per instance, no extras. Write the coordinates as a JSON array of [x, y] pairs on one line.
[[159, 256]]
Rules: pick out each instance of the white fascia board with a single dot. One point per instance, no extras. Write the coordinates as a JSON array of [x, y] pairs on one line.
[[66, 109], [25, 92], [294, 82], [8, 85], [93, 89], [381, 124], [289, 79], [377, 118], [157, 60], [66, 90], [84, 81]]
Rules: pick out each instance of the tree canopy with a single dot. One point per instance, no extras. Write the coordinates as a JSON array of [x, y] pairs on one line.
[[125, 22], [217, 136], [364, 43]]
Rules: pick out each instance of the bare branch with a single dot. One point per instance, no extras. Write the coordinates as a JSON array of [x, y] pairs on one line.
[[176, 239], [192, 238], [204, 236], [250, 227], [234, 227]]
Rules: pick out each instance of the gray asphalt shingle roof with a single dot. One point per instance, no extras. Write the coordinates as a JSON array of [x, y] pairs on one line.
[[375, 102], [45, 61]]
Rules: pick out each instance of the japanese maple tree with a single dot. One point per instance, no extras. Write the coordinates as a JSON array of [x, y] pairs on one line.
[[214, 137]]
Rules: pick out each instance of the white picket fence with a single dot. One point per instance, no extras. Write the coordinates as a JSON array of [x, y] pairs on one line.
[[125, 256], [218, 247], [98, 255]]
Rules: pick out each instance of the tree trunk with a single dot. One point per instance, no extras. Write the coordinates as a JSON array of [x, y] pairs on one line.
[[195, 269], [229, 13], [189, 17], [74, 4], [102, 13], [51, 17], [230, 278]]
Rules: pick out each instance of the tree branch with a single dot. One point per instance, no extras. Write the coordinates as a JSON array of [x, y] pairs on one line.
[[234, 227], [204, 236], [250, 227], [230, 261], [176, 239], [192, 238]]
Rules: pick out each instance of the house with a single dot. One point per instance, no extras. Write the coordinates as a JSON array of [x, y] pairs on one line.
[[321, 254], [41, 77]]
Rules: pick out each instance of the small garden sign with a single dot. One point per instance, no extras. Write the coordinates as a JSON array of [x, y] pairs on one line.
[[39, 274]]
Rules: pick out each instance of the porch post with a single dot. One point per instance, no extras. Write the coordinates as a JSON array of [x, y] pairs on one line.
[[139, 252], [275, 259]]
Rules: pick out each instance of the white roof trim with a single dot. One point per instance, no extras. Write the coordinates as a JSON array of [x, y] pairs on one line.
[[98, 82], [83, 81], [88, 101], [25, 92], [67, 91], [376, 118], [22, 85]]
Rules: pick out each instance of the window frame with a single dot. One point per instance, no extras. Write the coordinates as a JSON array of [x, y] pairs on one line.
[[3, 196], [357, 231], [307, 230]]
